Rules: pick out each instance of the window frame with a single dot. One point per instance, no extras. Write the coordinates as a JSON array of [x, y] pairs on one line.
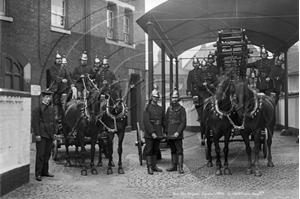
[[63, 15], [126, 30], [110, 24], [3, 13]]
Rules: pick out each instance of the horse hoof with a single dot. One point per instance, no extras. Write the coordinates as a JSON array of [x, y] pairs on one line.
[[100, 164], [219, 172], [94, 172], [209, 164], [109, 171], [249, 172], [68, 164], [120, 171], [84, 173], [227, 172], [257, 173], [270, 164]]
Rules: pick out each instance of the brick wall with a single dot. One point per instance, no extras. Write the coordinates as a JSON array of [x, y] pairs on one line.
[[15, 114]]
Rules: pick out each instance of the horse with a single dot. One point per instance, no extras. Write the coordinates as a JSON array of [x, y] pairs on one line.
[[114, 121], [218, 111], [80, 121], [258, 113]]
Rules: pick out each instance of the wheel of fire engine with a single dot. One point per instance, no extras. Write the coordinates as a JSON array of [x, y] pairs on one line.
[[139, 143], [54, 150]]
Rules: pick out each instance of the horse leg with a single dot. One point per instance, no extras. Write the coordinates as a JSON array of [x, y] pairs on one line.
[[256, 152], [245, 136], [208, 143], [110, 137], [82, 154], [217, 149], [77, 162], [100, 164], [120, 151], [68, 161], [269, 134], [226, 150], [93, 146]]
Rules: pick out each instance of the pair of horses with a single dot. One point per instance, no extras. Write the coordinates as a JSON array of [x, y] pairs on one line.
[[89, 119], [236, 105]]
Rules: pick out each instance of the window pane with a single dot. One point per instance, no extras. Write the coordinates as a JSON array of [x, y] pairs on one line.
[[58, 13], [16, 69], [8, 65], [8, 82], [16, 83], [2, 7]]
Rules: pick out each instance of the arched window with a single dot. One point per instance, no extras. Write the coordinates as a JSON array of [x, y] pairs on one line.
[[11, 73]]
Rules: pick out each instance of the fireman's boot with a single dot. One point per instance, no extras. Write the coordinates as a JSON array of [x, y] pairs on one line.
[[149, 164], [180, 163], [154, 167], [174, 163]]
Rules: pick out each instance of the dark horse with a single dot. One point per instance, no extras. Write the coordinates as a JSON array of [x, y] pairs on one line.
[[81, 123], [258, 111], [114, 121], [218, 111]]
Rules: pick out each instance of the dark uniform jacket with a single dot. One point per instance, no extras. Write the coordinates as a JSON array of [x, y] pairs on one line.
[[57, 74], [78, 71], [208, 76], [43, 121], [154, 120], [176, 120], [215, 69], [264, 67], [102, 75], [277, 77], [194, 81]]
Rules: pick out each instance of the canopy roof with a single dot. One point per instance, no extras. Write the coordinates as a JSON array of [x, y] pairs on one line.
[[183, 24]]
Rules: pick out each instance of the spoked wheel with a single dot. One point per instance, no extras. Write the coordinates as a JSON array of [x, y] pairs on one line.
[[139, 143], [54, 150]]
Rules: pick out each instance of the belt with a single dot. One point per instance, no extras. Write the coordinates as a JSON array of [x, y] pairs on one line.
[[263, 74], [174, 121], [156, 122]]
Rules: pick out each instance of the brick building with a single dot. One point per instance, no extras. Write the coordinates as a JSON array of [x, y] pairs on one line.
[[32, 31]]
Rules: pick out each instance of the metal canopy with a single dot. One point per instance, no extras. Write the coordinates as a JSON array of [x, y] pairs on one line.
[[183, 24]]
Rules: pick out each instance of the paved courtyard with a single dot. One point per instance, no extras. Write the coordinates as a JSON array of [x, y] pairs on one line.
[[198, 181]]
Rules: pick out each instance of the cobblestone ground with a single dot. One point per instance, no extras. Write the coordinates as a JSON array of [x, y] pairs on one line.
[[198, 181]]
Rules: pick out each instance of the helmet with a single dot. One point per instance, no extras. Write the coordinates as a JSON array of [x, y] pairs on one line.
[[210, 56], [196, 61], [83, 56], [203, 63], [57, 56], [105, 62], [263, 50], [97, 60], [155, 92], [175, 93], [64, 59], [279, 59]]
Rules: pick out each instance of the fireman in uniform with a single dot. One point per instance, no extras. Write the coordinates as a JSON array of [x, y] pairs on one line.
[[194, 82], [154, 121], [105, 76], [209, 80], [175, 125], [277, 77], [264, 68], [210, 64], [44, 129], [61, 81], [80, 75]]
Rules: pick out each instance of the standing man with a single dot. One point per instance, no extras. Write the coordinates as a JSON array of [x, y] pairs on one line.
[[277, 77], [44, 128], [264, 68], [175, 125], [194, 79], [80, 75], [154, 121], [61, 81]]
